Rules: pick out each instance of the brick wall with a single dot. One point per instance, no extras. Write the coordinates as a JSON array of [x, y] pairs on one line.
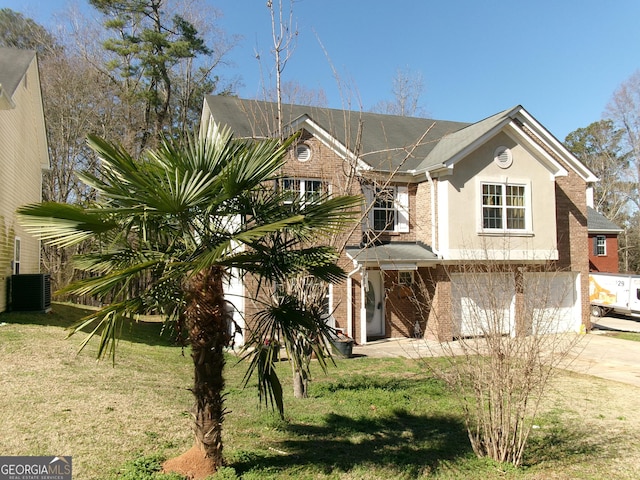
[[423, 214], [436, 290], [573, 237], [604, 263], [326, 165], [571, 221]]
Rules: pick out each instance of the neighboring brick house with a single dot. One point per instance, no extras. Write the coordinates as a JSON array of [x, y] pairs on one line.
[[23, 156], [501, 194], [603, 241]]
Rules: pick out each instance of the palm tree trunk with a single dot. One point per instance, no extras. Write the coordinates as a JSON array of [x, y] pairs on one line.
[[300, 384], [206, 321]]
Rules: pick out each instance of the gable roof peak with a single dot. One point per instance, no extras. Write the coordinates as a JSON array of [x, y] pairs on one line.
[[14, 63]]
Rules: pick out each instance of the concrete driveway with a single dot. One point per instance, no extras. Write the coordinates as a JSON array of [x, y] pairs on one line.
[[608, 357], [597, 354]]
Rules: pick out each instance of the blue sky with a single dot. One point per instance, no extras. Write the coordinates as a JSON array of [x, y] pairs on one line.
[[561, 59]]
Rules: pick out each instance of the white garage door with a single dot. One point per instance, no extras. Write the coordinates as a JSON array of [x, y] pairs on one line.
[[482, 303], [552, 301]]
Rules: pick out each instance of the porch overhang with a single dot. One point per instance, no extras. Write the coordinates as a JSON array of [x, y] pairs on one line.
[[393, 256]]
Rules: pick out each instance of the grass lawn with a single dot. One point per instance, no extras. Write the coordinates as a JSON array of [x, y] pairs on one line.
[[625, 336], [367, 419]]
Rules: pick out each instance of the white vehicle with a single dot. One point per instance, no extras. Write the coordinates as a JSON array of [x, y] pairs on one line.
[[615, 292]]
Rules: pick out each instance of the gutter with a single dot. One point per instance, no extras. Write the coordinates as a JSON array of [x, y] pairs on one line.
[[433, 214]]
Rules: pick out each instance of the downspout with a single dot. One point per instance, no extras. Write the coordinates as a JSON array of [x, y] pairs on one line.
[[350, 300], [433, 213], [363, 309]]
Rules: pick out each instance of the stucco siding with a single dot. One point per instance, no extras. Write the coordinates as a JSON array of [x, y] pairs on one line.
[[466, 237]]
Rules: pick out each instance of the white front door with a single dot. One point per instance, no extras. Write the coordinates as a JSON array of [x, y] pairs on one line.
[[374, 303]]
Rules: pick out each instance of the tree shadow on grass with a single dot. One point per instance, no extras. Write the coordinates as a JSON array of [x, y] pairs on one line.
[[65, 316], [409, 443], [558, 442]]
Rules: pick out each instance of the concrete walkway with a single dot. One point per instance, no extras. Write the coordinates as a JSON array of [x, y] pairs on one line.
[[597, 354]]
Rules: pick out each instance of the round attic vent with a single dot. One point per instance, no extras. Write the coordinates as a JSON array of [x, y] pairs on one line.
[[303, 152], [502, 157]]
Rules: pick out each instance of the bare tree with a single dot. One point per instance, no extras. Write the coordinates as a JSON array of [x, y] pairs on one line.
[[599, 147], [82, 95], [76, 103], [18, 31], [295, 93], [624, 110], [284, 34], [407, 88], [503, 346]]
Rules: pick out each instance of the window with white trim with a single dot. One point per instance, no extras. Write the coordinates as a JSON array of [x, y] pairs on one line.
[[601, 246], [384, 210], [306, 190], [390, 210], [504, 206]]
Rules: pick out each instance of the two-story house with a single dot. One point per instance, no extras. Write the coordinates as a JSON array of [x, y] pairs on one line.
[[502, 195], [23, 156]]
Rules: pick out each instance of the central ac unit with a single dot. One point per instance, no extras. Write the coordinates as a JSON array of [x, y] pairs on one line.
[[30, 292]]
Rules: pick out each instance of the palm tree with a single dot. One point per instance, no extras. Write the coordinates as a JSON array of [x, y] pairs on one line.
[[177, 221]]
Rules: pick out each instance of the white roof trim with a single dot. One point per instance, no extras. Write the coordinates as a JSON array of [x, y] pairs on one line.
[[509, 127], [545, 136], [401, 267], [604, 230], [449, 164], [517, 134]]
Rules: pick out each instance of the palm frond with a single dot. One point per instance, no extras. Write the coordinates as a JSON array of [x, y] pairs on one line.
[[61, 224], [107, 323], [301, 329], [269, 387], [111, 283]]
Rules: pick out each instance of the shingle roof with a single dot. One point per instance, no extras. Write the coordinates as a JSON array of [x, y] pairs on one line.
[[13, 65], [386, 141], [596, 222], [460, 140]]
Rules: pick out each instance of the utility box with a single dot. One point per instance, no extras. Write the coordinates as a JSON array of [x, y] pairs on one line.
[[30, 292]]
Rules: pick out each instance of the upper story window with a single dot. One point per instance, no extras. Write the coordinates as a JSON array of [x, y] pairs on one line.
[[504, 206], [600, 246], [384, 210], [390, 209], [305, 190]]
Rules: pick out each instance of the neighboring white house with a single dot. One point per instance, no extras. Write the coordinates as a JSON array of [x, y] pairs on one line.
[[23, 156]]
